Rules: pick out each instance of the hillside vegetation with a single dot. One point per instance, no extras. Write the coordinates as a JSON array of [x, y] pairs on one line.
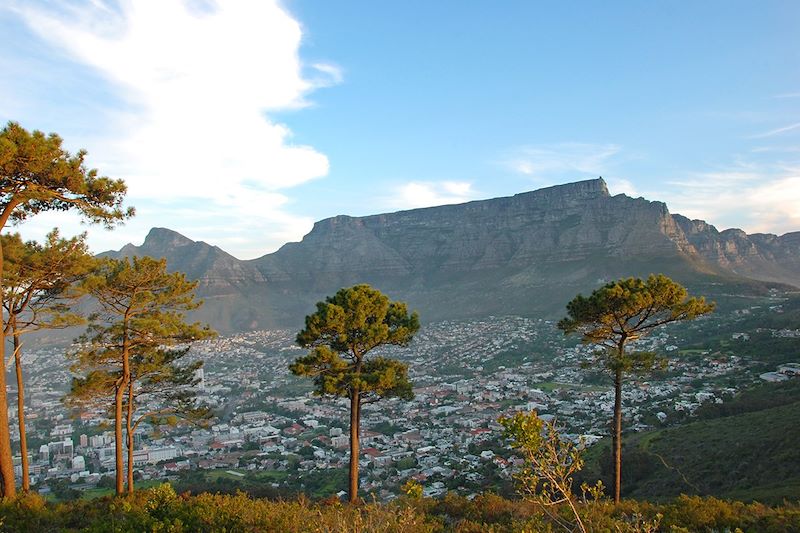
[[160, 509], [745, 448]]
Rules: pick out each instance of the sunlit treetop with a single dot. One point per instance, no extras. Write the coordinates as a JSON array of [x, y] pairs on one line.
[[627, 309], [37, 174]]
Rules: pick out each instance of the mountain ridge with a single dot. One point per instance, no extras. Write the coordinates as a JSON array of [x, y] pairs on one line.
[[522, 254]]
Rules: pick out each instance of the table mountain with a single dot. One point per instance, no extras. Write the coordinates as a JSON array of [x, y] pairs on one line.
[[525, 254]]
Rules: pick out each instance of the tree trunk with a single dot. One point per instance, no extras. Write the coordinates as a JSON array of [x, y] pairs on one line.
[[617, 436], [119, 394], [23, 440], [358, 421], [355, 405], [9, 489], [120, 464], [129, 433]]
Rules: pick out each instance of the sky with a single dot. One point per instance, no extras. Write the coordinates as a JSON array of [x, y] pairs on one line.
[[241, 122]]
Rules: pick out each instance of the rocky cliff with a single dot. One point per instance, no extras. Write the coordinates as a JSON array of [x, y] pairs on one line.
[[524, 254], [760, 256], [566, 223]]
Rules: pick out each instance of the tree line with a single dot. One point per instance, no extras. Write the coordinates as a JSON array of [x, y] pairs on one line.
[[137, 334]]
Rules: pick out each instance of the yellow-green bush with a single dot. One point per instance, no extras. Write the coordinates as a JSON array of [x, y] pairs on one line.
[[160, 510]]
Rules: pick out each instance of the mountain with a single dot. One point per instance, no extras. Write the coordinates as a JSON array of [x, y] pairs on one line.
[[232, 290], [217, 271], [760, 256], [526, 254]]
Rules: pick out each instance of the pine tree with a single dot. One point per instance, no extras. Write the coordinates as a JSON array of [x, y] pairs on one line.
[[340, 334], [38, 293], [37, 175], [618, 314], [134, 342]]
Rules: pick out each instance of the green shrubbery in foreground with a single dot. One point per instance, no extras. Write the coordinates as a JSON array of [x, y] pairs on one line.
[[160, 509]]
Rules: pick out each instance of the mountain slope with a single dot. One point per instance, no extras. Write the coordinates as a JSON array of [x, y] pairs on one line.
[[525, 254], [713, 456], [232, 290], [760, 256]]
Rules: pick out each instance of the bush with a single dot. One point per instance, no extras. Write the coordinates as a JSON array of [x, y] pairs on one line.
[[160, 509]]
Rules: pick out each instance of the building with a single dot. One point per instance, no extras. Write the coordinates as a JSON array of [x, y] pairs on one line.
[[342, 441]]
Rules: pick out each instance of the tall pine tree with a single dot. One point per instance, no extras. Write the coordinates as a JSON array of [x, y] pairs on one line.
[[38, 175], [618, 314], [39, 293], [141, 315], [341, 334]]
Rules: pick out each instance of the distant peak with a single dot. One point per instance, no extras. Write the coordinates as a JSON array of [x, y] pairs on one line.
[[165, 236]]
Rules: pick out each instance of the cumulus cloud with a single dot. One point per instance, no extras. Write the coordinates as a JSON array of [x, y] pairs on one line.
[[196, 80], [622, 186], [755, 198], [426, 194], [560, 160]]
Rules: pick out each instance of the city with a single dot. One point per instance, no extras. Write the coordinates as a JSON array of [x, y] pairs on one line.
[[466, 374]]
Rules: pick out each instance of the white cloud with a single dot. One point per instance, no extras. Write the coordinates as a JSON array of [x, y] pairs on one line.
[[561, 160], [622, 186], [196, 83], [757, 199], [426, 194], [328, 74]]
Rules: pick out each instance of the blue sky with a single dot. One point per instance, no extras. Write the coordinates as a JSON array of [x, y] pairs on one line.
[[241, 122]]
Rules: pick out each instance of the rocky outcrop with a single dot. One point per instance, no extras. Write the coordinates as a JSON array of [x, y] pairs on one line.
[[761, 256]]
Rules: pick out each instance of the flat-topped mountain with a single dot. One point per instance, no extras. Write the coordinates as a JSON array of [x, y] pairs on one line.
[[525, 254]]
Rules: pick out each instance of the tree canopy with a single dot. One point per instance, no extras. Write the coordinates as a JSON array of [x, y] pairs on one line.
[[37, 174], [622, 312], [340, 334], [344, 329], [127, 350], [40, 280], [627, 309]]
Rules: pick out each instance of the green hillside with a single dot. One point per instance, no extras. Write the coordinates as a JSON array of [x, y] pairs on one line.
[[745, 449]]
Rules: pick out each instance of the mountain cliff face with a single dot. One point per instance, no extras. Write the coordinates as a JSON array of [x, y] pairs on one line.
[[760, 256], [525, 254], [573, 222]]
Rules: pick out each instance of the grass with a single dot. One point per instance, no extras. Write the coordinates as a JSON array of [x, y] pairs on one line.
[[262, 476], [99, 492], [163, 509]]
